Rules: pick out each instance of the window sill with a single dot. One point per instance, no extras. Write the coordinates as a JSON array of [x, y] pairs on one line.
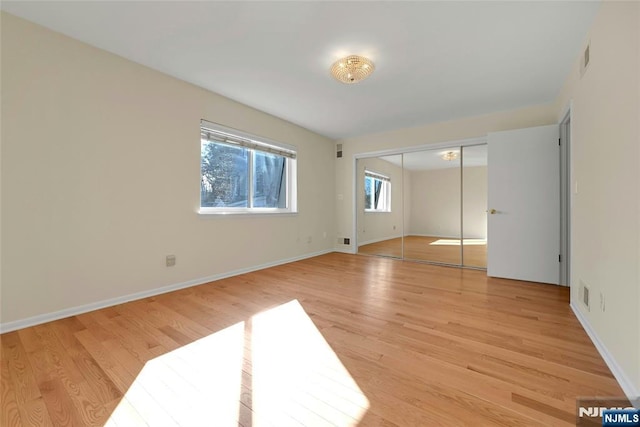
[[377, 212], [241, 212]]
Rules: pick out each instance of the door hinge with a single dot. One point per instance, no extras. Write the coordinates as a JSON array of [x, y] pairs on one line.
[[559, 141], [559, 258]]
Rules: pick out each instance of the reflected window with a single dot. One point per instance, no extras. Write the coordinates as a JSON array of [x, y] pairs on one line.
[[377, 192]]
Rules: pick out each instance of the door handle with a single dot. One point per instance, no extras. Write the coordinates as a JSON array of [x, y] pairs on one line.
[[492, 211]]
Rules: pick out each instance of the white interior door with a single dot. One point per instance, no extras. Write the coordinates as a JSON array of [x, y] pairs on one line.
[[524, 204]]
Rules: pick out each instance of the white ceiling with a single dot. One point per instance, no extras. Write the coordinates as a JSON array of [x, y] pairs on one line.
[[434, 61]]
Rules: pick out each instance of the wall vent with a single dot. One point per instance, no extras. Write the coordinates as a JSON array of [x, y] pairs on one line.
[[338, 150]]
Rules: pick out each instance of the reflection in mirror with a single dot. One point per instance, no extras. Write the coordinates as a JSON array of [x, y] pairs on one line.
[[433, 226], [379, 219], [474, 205]]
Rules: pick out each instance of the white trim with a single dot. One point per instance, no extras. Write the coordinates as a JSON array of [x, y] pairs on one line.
[[348, 251], [566, 225], [440, 236], [354, 207], [423, 147], [566, 111], [382, 239], [633, 393], [414, 235], [73, 311], [244, 211]]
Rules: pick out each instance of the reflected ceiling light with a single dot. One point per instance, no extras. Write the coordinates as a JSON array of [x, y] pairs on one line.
[[450, 155], [352, 69]]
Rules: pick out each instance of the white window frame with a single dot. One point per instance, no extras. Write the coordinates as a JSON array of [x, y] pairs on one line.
[[385, 191], [214, 132]]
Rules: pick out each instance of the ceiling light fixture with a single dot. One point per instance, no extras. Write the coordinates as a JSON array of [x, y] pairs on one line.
[[450, 155], [352, 69]]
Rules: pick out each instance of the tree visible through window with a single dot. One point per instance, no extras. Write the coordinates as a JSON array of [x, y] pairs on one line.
[[238, 174], [224, 175], [377, 192]]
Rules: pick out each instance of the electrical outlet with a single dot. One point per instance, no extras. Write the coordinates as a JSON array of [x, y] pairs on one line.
[[602, 302], [347, 241], [324, 234], [171, 260]]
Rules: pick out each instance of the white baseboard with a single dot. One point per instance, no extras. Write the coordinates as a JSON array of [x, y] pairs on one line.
[[431, 235], [73, 311], [382, 239], [630, 390], [414, 235], [441, 236], [347, 250]]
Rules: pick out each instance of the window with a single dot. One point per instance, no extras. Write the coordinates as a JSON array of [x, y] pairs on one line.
[[377, 192], [241, 173]]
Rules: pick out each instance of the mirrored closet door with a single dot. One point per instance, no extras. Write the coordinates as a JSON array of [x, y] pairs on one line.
[[427, 206], [379, 205], [433, 231]]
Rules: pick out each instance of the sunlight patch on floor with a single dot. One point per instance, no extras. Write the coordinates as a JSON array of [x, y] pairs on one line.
[[297, 374], [272, 369], [197, 383], [456, 242]]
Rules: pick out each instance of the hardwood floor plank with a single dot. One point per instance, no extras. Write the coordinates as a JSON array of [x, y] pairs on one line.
[[59, 405], [567, 416], [332, 340], [10, 410], [20, 371], [87, 364], [35, 413]]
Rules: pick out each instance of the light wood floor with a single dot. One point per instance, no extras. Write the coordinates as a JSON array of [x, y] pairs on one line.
[[333, 340], [427, 248]]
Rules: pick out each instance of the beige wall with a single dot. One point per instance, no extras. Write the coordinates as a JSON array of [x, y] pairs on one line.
[[435, 202], [100, 179], [605, 149], [473, 127]]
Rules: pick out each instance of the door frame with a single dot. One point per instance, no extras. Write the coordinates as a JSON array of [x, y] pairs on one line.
[[566, 197]]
